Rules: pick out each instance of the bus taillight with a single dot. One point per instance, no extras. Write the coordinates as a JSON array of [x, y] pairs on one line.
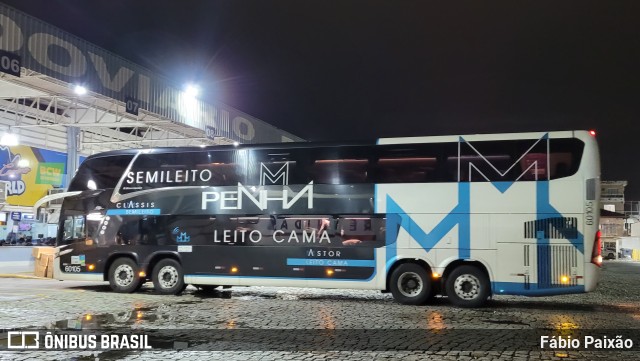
[[592, 132], [596, 253]]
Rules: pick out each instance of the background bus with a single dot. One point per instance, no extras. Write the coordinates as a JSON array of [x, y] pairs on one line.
[[464, 216]]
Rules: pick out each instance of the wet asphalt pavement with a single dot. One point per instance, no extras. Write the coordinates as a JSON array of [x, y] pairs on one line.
[[265, 323]]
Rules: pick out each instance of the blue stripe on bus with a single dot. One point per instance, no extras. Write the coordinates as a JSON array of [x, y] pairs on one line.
[[133, 212], [546, 210], [331, 262], [373, 275], [502, 186], [463, 219], [516, 288], [459, 216]]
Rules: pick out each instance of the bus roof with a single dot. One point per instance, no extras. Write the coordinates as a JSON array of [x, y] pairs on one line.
[[395, 140]]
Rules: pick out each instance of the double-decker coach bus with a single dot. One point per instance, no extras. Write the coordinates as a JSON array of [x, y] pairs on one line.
[[464, 216]]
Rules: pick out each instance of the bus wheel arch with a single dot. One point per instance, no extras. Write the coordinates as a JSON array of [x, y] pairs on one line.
[[467, 283], [409, 280], [123, 274]]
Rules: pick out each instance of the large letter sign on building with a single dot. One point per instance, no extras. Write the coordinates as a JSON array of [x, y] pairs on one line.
[[52, 52]]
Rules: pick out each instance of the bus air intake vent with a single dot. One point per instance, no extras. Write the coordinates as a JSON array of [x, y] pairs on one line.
[[552, 228], [557, 266]]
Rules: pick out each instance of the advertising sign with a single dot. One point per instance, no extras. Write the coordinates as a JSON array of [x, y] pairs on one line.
[[30, 173]]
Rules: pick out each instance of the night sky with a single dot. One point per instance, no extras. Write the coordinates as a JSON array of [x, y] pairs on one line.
[[350, 70]]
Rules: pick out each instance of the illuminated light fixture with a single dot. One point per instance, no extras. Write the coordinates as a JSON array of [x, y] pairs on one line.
[[234, 269], [235, 144], [23, 163], [329, 272], [592, 132], [91, 267], [142, 274], [599, 260], [564, 279], [80, 90], [202, 145], [139, 314], [9, 139], [91, 184], [191, 90], [88, 317], [435, 275]]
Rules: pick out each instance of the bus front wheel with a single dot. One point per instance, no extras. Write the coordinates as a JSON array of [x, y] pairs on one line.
[[168, 277], [123, 276], [410, 284], [468, 286]]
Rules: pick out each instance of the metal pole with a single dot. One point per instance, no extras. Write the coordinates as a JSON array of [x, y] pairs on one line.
[[72, 154]]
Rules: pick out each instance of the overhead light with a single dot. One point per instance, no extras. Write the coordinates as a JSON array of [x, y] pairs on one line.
[[191, 90], [9, 139], [235, 144], [80, 90]]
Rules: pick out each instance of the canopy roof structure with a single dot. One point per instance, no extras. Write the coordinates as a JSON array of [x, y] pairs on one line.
[[125, 106]]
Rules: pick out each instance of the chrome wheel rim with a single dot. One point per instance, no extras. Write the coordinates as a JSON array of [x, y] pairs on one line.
[[168, 277], [124, 275], [467, 286], [410, 284]]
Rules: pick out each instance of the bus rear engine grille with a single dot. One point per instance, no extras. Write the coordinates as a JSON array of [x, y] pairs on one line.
[[549, 228]]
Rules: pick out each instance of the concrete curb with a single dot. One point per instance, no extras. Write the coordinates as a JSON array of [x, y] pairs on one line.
[[27, 276]]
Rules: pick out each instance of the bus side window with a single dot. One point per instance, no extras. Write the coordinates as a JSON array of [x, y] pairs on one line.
[[562, 170], [405, 170], [560, 165], [339, 171], [534, 166]]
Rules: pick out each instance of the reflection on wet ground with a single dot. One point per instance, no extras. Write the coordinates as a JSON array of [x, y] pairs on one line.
[[199, 319], [258, 293]]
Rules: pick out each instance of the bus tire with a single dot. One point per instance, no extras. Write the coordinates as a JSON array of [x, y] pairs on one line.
[[168, 278], [410, 284], [123, 275], [468, 286]]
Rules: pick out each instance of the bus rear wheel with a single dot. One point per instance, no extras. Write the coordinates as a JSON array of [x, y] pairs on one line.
[[468, 286], [410, 284], [124, 276], [168, 278]]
